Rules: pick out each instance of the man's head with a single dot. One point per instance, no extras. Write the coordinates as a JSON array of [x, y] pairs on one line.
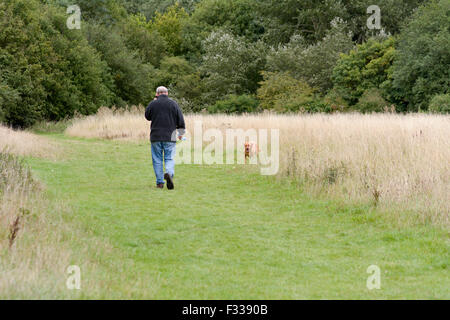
[[162, 91]]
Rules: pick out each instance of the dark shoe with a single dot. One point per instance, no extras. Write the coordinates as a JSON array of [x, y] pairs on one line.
[[160, 186], [169, 180]]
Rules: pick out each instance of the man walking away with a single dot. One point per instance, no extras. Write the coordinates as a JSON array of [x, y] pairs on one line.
[[166, 118]]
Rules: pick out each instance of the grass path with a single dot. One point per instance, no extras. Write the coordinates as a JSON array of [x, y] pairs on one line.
[[227, 233]]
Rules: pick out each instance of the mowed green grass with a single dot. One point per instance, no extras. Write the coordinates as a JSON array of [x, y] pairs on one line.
[[226, 232]]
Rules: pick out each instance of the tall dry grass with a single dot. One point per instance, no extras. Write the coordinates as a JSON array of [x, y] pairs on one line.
[[39, 240], [398, 162], [30, 256], [25, 143]]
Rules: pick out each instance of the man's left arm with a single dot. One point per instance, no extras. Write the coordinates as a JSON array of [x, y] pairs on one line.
[[148, 112]]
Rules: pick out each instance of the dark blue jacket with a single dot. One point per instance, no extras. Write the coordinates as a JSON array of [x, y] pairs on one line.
[[166, 118]]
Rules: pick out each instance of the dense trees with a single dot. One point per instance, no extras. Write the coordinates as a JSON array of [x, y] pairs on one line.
[[47, 70], [222, 55], [422, 65]]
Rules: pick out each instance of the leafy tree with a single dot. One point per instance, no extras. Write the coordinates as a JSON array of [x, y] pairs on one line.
[[313, 63], [149, 44], [183, 81], [393, 14], [170, 25], [149, 7], [283, 93], [238, 17], [106, 12], [132, 78], [310, 19], [48, 71], [422, 64], [367, 66], [231, 65]]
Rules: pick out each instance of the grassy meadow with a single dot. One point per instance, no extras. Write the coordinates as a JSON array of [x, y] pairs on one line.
[[226, 232]]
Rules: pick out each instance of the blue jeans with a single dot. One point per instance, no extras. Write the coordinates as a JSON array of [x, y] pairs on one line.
[[163, 151]]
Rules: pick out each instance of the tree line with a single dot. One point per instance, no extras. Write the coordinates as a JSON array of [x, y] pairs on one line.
[[230, 56]]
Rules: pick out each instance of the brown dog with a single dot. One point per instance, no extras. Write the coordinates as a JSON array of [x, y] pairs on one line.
[[251, 149]]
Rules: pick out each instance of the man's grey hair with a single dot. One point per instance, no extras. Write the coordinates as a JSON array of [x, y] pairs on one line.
[[162, 90]]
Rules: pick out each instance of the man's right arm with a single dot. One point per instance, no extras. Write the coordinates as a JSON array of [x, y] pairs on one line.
[[181, 126]]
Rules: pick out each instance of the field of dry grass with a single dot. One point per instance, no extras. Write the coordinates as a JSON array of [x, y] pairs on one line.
[[400, 163], [31, 256], [36, 244], [25, 143]]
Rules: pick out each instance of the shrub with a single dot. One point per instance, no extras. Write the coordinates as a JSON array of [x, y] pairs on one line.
[[235, 104], [335, 101], [283, 93], [371, 101], [367, 66], [440, 103]]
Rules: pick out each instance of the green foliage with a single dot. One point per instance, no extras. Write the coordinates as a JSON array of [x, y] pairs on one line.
[[367, 66], [313, 63], [106, 12], [149, 7], [283, 93], [231, 65], [440, 103], [235, 104], [311, 19], [393, 15], [371, 101], [335, 102], [170, 25], [182, 80], [238, 17], [149, 44], [214, 50], [132, 78], [422, 64], [48, 71]]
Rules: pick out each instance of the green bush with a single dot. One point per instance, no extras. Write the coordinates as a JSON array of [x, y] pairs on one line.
[[335, 101], [283, 93], [371, 101], [365, 67], [235, 104], [440, 103]]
